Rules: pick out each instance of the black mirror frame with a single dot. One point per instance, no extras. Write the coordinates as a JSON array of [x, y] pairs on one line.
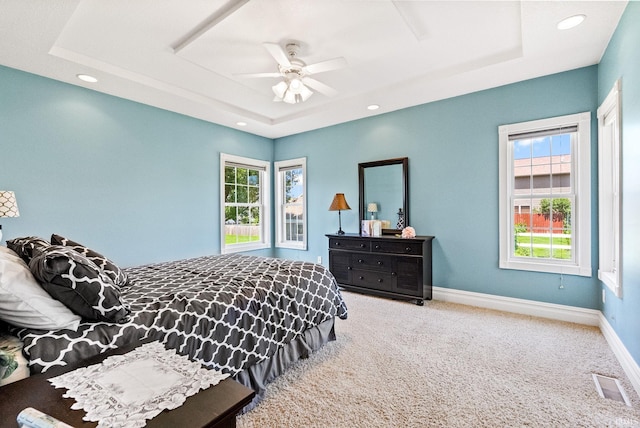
[[405, 190]]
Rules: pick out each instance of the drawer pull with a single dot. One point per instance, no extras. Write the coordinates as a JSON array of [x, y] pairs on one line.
[[362, 245], [362, 277], [392, 273], [408, 249], [380, 263], [349, 268], [360, 261], [377, 247], [338, 244], [379, 279]]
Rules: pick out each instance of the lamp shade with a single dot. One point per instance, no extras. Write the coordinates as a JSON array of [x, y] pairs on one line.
[[372, 207], [8, 204], [339, 203]]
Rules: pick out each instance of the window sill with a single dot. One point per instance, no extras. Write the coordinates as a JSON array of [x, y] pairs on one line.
[[290, 246], [610, 280], [546, 267], [239, 248]]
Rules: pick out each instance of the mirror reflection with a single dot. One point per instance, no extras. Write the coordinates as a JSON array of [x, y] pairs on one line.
[[383, 191]]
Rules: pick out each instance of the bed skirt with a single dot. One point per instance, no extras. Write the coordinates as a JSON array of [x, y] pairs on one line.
[[258, 376]]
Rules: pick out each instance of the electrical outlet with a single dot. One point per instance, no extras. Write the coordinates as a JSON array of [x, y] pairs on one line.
[[319, 259], [603, 295]]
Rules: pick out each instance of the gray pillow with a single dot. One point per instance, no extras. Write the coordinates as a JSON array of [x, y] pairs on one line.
[[79, 284], [116, 274], [25, 246]]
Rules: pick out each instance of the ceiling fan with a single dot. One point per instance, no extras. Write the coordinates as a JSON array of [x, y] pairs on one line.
[[294, 88]]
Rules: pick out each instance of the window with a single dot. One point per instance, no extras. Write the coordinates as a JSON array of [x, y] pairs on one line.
[[245, 205], [609, 218], [291, 203], [545, 199]]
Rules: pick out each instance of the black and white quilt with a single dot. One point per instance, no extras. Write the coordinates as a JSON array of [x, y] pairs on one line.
[[229, 312]]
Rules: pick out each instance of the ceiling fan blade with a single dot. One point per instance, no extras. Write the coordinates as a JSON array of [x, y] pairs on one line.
[[252, 75], [320, 87], [328, 65], [278, 54]]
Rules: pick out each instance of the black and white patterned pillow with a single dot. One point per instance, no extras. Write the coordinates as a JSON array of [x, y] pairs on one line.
[[116, 274], [79, 284], [26, 246]]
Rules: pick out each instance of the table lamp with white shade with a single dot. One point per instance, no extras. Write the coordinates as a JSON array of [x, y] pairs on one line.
[[372, 208], [8, 206]]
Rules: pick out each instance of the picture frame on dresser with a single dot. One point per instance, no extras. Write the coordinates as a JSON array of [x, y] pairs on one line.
[[387, 266]]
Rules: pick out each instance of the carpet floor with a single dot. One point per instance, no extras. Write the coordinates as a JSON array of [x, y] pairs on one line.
[[396, 364]]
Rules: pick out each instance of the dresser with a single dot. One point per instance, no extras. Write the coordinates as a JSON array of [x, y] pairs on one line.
[[386, 266]]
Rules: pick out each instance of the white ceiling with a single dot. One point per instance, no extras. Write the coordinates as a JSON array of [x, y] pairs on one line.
[[182, 55]]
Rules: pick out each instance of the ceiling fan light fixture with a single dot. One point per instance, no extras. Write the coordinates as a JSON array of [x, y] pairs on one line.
[[290, 98], [280, 89], [296, 86], [305, 93]]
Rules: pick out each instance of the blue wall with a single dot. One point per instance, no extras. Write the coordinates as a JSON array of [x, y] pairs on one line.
[[452, 147], [135, 182], [622, 61]]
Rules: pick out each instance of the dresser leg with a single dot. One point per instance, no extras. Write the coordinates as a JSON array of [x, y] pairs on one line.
[[420, 302]]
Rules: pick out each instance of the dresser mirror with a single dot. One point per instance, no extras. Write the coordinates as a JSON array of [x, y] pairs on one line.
[[384, 190]]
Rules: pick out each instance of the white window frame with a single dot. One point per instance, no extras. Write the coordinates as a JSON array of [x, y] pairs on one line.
[[609, 182], [581, 215], [265, 198], [280, 168]]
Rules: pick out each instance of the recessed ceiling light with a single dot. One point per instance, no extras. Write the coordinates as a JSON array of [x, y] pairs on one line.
[[86, 78], [570, 22], [373, 107], [241, 123]]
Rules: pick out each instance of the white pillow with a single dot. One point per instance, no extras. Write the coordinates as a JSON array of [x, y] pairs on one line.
[[23, 303]]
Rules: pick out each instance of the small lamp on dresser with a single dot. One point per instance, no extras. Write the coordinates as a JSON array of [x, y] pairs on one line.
[[372, 208], [8, 206], [339, 203]]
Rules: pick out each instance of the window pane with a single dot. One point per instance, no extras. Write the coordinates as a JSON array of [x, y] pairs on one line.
[[255, 215], [243, 194], [253, 177], [254, 195], [241, 175], [229, 174], [229, 193], [243, 215]]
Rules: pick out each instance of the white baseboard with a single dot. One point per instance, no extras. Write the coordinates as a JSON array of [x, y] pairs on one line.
[[519, 306], [627, 362], [548, 310]]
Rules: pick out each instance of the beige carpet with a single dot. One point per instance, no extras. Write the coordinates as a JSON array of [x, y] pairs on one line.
[[396, 364]]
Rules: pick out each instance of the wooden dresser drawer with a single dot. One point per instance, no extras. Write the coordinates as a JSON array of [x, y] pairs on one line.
[[372, 261], [349, 244], [401, 246], [373, 280]]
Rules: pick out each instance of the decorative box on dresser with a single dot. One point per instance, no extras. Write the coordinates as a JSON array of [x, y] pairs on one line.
[[387, 265]]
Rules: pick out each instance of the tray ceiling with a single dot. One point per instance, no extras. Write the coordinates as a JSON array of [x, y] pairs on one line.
[[185, 56]]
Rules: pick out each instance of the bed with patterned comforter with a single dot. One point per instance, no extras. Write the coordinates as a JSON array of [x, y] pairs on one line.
[[229, 312]]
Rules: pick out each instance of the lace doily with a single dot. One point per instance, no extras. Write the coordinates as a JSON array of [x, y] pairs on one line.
[[125, 390]]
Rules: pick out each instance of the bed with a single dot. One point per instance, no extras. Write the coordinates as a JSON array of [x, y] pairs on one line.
[[248, 316]]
